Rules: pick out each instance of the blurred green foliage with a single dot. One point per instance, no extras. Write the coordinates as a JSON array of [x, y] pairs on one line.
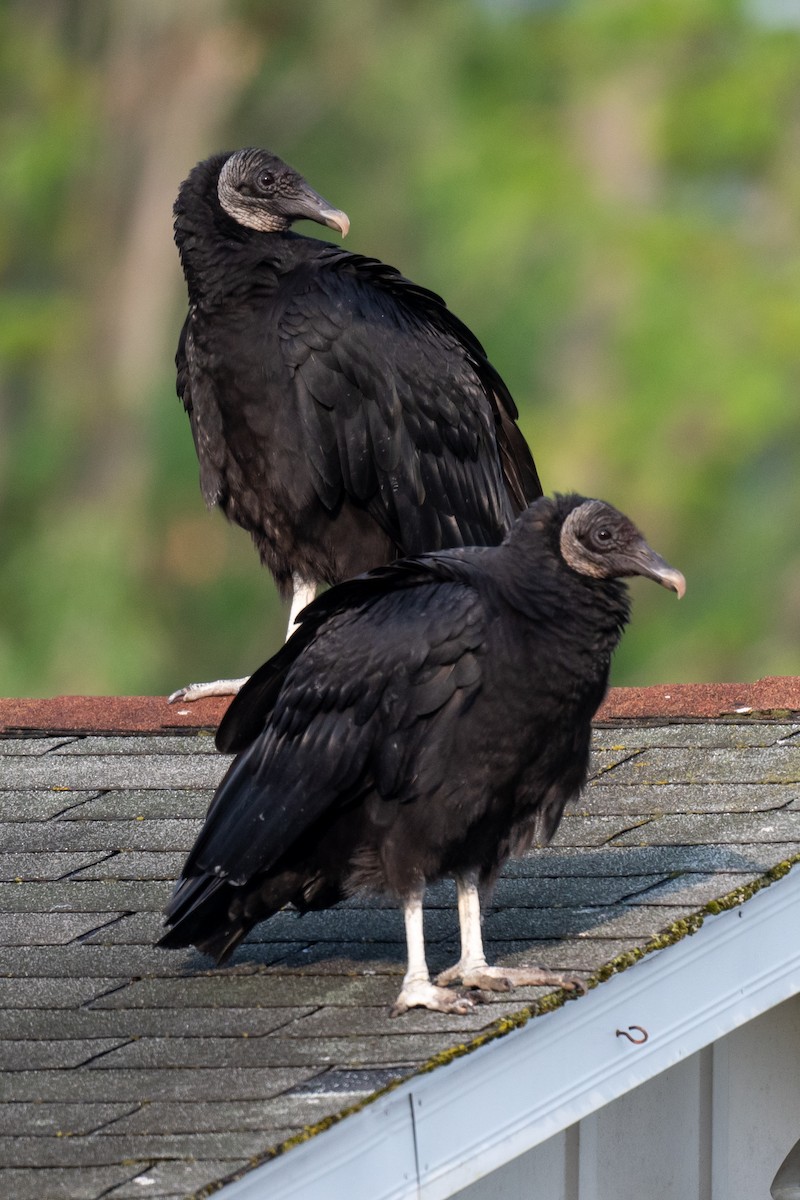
[[607, 193]]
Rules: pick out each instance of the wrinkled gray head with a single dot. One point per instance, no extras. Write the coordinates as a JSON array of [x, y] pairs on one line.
[[261, 191], [597, 540]]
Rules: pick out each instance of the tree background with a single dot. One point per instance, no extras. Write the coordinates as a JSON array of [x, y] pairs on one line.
[[608, 194]]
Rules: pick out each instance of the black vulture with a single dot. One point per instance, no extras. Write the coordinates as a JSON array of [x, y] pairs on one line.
[[427, 719], [341, 414]]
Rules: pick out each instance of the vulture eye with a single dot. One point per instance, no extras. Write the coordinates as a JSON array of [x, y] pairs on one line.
[[265, 180], [602, 538]]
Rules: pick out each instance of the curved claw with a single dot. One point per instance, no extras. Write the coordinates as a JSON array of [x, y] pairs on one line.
[[428, 995]]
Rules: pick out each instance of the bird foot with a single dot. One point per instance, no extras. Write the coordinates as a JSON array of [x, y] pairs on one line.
[[201, 691], [424, 994], [505, 979]]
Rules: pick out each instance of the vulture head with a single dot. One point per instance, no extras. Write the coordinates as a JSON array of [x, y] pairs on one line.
[[261, 191], [597, 540]]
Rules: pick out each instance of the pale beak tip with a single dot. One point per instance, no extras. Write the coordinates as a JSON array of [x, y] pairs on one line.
[[337, 220], [677, 582]]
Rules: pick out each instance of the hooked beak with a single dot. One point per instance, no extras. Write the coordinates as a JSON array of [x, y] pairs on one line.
[[336, 219], [645, 561], [310, 206]]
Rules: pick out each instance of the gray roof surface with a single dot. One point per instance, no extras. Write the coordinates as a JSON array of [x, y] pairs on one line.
[[131, 1071]]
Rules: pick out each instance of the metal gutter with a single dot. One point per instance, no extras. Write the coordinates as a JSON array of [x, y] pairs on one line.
[[442, 1131]]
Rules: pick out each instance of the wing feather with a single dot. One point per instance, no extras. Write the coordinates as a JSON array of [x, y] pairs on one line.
[[349, 712], [204, 417], [424, 427]]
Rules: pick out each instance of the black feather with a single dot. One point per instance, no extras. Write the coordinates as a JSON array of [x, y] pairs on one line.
[[430, 717], [341, 413]]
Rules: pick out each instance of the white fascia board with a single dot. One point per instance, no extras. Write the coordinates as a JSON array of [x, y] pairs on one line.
[[441, 1131]]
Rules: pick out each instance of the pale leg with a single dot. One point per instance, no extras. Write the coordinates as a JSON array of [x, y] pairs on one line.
[[417, 990], [302, 594], [472, 969]]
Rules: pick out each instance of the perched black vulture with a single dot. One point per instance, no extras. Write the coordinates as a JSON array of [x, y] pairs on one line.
[[427, 719], [341, 414]]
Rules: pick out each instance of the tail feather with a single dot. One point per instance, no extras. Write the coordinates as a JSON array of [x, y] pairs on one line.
[[200, 915], [219, 946], [214, 915]]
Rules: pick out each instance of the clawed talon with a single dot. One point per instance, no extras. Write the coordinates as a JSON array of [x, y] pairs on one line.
[[201, 691], [471, 970], [505, 979], [428, 995]]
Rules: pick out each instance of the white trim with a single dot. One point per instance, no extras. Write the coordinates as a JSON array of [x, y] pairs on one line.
[[442, 1131]]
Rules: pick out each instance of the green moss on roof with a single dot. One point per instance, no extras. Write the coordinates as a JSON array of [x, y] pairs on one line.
[[670, 936]]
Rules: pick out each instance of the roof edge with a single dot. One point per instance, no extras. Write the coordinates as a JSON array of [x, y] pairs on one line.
[[773, 695], [670, 936], [437, 1133]]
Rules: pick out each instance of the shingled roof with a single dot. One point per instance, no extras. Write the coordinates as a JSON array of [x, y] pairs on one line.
[[131, 1071]]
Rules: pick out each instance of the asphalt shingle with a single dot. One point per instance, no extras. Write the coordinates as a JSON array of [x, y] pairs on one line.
[[130, 1071]]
